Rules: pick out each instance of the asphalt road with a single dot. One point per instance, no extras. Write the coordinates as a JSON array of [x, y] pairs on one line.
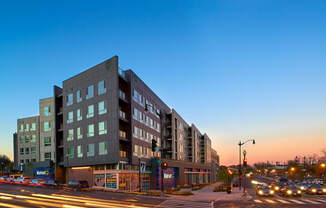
[[16, 196]]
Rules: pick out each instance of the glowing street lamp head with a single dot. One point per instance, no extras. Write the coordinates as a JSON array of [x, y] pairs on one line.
[[323, 165], [292, 169]]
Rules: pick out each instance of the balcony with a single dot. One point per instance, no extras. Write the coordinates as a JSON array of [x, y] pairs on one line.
[[122, 96], [122, 116], [60, 111]]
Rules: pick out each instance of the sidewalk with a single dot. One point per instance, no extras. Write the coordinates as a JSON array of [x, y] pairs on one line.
[[206, 194]]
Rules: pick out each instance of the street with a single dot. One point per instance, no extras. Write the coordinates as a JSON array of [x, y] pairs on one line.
[[15, 196]]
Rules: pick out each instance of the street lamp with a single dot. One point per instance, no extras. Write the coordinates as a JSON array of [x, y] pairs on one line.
[[292, 169], [240, 144]]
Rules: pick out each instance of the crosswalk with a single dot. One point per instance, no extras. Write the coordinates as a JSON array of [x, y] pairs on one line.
[[182, 203], [291, 201]]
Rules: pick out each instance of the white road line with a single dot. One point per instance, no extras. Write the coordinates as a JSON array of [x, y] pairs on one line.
[[258, 201], [322, 200], [181, 203], [270, 201], [296, 201], [313, 202], [283, 201]]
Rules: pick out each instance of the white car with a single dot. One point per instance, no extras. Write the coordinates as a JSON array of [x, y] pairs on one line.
[[23, 179]]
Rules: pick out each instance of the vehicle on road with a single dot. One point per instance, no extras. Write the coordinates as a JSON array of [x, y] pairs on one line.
[[3, 178], [76, 186], [277, 186], [37, 181], [290, 190], [302, 186], [264, 191], [316, 189], [23, 179]]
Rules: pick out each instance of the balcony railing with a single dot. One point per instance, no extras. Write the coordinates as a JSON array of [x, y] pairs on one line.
[[122, 114]]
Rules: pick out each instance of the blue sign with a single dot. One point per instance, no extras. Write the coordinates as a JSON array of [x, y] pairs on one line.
[[43, 172]]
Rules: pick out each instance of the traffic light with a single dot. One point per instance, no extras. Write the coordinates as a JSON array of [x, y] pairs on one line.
[[245, 162], [154, 145], [164, 165]]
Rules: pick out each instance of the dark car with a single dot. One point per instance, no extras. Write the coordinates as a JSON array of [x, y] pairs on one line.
[[52, 184], [277, 186], [290, 190], [264, 191], [316, 189], [77, 185], [302, 186]]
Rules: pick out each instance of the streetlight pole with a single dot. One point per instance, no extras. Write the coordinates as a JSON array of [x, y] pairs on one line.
[[240, 169]]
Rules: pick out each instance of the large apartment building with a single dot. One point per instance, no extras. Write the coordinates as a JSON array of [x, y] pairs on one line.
[[100, 125]]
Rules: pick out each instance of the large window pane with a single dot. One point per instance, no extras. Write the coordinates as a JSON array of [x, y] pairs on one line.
[[101, 88], [79, 133], [90, 150], [70, 135], [70, 99], [46, 111], [79, 115], [70, 117], [90, 112], [90, 131], [79, 98], [47, 156], [33, 128], [102, 127], [33, 150], [90, 92], [79, 151], [102, 148], [47, 126], [101, 107], [71, 152], [47, 141]]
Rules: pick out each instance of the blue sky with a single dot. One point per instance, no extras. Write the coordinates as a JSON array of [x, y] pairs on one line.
[[236, 69]]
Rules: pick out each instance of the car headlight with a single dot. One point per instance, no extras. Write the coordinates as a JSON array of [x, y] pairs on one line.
[[271, 192], [324, 189], [299, 192], [289, 192], [314, 190], [277, 188], [302, 187], [260, 192]]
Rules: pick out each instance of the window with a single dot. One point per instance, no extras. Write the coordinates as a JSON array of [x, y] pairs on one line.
[[21, 139], [122, 134], [70, 135], [122, 95], [135, 152], [47, 141], [79, 98], [101, 107], [46, 111], [158, 128], [47, 156], [147, 120], [136, 131], [27, 161], [21, 151], [90, 112], [102, 148], [33, 127], [79, 115], [70, 117], [102, 128], [90, 92], [33, 138], [27, 128], [152, 123], [27, 139], [70, 98], [79, 133], [101, 88], [90, 150], [26, 151], [141, 117], [21, 127], [71, 152], [134, 114], [79, 151], [33, 150], [90, 131], [47, 126], [34, 160]]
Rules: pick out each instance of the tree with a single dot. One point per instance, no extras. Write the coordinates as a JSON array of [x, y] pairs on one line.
[[5, 163]]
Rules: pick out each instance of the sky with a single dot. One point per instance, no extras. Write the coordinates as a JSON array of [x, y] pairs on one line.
[[236, 69]]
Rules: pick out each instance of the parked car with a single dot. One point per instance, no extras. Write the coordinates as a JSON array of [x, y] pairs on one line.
[[290, 190], [37, 181], [23, 179], [316, 189], [3, 178], [77, 185], [264, 191], [52, 183]]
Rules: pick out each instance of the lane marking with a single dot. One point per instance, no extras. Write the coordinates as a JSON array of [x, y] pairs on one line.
[[283, 201], [258, 201], [296, 201], [270, 201], [322, 200], [313, 202], [9, 205]]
